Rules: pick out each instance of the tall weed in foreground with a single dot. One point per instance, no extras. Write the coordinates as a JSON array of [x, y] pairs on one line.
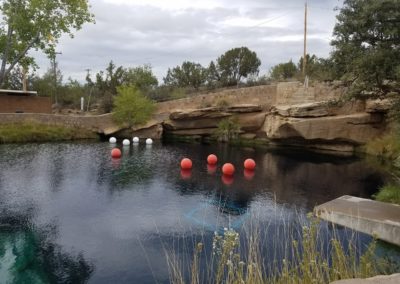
[[307, 258]]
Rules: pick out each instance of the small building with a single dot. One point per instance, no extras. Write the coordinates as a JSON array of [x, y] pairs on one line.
[[12, 101]]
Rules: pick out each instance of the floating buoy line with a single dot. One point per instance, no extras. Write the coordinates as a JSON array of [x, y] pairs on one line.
[[186, 164]]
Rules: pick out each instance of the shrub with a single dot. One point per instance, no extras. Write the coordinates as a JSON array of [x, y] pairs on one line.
[[386, 147], [228, 129], [131, 107], [389, 193]]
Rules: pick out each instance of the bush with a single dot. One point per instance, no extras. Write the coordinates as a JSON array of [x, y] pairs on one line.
[[228, 129], [387, 147], [131, 107], [389, 193]]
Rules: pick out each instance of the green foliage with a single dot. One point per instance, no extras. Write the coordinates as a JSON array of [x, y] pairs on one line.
[[141, 77], [34, 132], [283, 71], [308, 260], [189, 74], [108, 81], [237, 63], [318, 68], [131, 107], [222, 104], [385, 147], [228, 129], [213, 76], [389, 193], [30, 25], [366, 42]]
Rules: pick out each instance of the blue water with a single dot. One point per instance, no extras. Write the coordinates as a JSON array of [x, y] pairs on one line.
[[71, 214]]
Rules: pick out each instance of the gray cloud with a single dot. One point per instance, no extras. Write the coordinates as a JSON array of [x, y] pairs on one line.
[[132, 35]]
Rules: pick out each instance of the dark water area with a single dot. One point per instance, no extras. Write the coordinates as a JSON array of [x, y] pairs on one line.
[[69, 213]]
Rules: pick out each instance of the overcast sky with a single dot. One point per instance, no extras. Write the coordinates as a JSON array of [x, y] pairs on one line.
[[164, 33]]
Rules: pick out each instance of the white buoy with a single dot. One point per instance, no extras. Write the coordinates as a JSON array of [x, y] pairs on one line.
[[135, 140], [149, 141], [113, 140], [126, 142]]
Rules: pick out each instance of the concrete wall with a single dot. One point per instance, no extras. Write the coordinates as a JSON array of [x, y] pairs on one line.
[[285, 93], [290, 93], [259, 95], [29, 104]]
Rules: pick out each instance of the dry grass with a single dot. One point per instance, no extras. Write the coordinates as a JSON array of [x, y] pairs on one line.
[[307, 258]]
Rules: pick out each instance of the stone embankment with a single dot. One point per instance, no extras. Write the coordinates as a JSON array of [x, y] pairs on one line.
[[286, 113]]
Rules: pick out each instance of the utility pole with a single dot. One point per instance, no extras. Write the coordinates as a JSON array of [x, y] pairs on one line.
[[91, 88], [55, 76], [305, 40]]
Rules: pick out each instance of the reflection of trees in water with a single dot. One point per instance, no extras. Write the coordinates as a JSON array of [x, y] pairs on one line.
[[29, 255], [128, 173]]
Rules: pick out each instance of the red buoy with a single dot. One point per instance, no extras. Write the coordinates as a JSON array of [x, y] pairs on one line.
[[228, 169], [212, 159], [116, 153], [249, 164], [186, 164]]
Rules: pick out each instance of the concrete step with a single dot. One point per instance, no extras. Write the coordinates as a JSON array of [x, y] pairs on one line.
[[368, 216]]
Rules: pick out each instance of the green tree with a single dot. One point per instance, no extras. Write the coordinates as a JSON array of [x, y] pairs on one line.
[[283, 71], [106, 85], [131, 107], [213, 76], [317, 68], [237, 63], [142, 77], [28, 24], [189, 74], [367, 43], [44, 85]]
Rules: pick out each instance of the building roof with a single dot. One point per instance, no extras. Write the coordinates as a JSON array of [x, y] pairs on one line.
[[17, 93]]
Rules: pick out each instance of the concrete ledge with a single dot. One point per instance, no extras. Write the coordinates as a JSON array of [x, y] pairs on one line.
[[368, 216], [381, 279]]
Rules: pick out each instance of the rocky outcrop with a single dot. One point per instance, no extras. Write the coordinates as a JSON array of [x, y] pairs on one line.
[[354, 128], [205, 121], [317, 109]]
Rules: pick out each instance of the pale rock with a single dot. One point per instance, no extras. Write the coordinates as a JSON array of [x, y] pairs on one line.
[[378, 105]]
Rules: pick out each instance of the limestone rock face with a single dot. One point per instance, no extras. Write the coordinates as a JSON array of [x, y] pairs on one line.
[[198, 114], [205, 121], [354, 129]]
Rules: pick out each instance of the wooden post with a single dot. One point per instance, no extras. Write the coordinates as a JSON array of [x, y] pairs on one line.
[[24, 85]]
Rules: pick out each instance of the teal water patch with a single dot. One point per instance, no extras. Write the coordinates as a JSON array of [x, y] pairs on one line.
[[27, 257]]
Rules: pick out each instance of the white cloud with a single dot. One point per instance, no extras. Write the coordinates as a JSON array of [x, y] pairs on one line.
[[165, 33]]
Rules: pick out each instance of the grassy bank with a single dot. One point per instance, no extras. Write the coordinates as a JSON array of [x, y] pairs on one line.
[[34, 132], [307, 258]]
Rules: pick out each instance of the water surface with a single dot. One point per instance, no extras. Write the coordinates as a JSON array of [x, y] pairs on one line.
[[71, 214]]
